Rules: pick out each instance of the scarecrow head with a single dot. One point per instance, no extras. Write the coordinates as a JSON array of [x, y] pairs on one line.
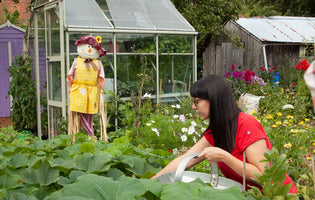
[[90, 47]]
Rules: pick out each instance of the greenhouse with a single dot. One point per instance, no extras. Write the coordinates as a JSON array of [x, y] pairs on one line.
[[149, 45]]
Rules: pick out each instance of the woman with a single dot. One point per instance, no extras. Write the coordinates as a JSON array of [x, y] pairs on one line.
[[230, 132]]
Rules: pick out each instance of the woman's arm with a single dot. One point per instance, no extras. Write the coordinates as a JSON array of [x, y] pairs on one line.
[[254, 153], [197, 148]]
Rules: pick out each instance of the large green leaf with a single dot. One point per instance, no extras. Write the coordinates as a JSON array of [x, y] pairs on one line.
[[63, 163], [93, 163], [21, 196], [10, 181], [40, 173], [139, 166], [87, 148], [18, 160], [197, 191], [91, 186]]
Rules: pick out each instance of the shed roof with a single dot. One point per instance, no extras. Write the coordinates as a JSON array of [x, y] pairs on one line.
[[8, 24], [280, 29]]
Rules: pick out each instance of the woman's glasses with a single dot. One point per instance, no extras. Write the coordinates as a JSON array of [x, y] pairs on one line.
[[196, 101]]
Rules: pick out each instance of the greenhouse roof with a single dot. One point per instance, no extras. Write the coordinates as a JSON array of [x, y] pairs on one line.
[[149, 15]]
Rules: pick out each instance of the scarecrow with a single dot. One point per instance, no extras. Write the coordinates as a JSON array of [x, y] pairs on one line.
[[85, 81]]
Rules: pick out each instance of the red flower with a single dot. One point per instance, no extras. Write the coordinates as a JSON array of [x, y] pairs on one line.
[[169, 151], [262, 68], [293, 84], [232, 67], [248, 75], [303, 65]]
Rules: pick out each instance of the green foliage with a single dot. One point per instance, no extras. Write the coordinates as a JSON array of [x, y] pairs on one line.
[[23, 92], [208, 17], [273, 178], [170, 128], [62, 169], [278, 7]]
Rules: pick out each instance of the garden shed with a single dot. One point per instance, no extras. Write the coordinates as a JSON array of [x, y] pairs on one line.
[[11, 44], [147, 42], [266, 41]]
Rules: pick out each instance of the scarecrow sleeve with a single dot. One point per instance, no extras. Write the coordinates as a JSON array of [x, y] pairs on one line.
[[101, 76], [71, 74]]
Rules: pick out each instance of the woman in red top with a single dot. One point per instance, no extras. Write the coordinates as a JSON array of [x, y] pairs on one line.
[[229, 134]]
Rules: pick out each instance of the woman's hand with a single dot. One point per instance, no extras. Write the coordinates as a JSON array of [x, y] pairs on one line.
[[213, 154]]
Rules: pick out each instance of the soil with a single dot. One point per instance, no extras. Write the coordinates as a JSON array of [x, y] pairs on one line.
[[5, 122]]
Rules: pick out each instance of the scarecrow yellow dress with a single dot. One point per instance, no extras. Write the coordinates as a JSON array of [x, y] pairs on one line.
[[84, 92]]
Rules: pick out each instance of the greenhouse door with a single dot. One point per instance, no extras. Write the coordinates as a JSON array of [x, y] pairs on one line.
[[56, 97]]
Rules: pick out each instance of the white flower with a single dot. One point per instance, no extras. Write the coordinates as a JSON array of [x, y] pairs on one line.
[[173, 106], [184, 130], [287, 106], [146, 95], [184, 138], [152, 121], [177, 106], [175, 116], [149, 124], [156, 131], [191, 130], [193, 123], [194, 139], [203, 129], [182, 118]]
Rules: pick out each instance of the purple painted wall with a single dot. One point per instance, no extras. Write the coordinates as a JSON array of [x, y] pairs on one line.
[[8, 34]]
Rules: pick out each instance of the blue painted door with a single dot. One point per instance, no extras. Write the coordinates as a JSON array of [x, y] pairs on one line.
[[4, 80]]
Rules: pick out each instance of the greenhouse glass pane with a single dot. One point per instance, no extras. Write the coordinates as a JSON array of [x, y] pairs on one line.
[[55, 117], [143, 14], [85, 13], [175, 71], [136, 43], [54, 81], [131, 71]]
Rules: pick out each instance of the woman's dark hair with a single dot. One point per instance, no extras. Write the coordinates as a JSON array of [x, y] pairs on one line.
[[223, 109]]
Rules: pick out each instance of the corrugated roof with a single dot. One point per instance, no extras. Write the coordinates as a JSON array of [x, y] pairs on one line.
[[281, 29]]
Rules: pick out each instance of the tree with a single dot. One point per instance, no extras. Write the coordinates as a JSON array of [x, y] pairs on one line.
[[208, 17]]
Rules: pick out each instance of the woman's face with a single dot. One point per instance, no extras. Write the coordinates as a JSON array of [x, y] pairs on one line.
[[202, 106]]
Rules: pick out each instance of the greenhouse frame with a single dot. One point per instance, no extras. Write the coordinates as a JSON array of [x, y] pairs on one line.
[[150, 46]]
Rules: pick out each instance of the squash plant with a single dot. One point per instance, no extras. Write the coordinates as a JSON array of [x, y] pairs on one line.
[[61, 169]]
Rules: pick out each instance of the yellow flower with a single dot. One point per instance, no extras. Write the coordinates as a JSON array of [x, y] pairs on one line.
[[279, 114], [309, 158], [293, 131], [253, 112], [289, 117], [278, 123], [313, 143], [98, 39], [277, 83], [287, 145], [269, 117], [306, 119], [301, 122], [274, 126]]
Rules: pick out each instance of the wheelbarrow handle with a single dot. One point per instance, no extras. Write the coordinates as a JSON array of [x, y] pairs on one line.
[[214, 178]]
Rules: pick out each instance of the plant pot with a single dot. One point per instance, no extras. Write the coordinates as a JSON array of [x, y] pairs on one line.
[[111, 47]]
